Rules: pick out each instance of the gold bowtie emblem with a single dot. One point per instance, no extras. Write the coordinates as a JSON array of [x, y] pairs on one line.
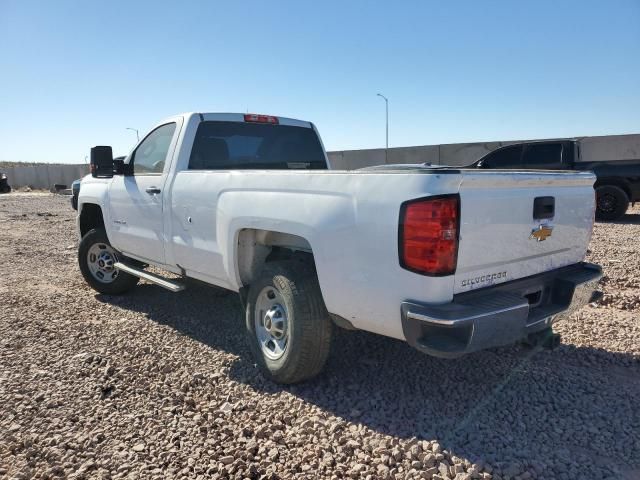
[[541, 233]]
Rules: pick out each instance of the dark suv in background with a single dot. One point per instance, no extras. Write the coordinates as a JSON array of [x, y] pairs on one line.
[[617, 184]]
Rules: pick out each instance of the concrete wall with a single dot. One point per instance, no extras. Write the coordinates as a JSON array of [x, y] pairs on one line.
[[455, 154], [44, 176], [609, 147]]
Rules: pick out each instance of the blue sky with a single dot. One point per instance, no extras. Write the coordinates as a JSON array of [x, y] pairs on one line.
[[77, 73]]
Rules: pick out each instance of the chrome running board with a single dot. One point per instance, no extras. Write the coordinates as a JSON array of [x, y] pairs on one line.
[[151, 277]]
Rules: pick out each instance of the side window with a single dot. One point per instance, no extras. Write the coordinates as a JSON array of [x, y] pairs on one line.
[[507, 157], [543, 155], [151, 154]]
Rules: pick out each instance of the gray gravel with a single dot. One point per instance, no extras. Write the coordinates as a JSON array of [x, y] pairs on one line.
[[161, 385]]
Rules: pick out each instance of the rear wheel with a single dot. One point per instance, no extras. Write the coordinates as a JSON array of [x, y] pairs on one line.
[[96, 258], [288, 327], [611, 202]]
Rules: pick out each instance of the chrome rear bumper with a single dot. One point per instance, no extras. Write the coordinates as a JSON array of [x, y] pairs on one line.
[[501, 314]]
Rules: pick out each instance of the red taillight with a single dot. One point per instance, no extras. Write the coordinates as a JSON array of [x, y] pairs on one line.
[[429, 235], [255, 118]]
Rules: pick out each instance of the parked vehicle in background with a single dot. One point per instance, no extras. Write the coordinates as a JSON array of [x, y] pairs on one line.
[[4, 183], [75, 187], [450, 260], [75, 191], [617, 181]]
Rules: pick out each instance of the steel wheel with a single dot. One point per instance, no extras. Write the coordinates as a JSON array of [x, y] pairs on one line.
[[271, 323], [100, 260]]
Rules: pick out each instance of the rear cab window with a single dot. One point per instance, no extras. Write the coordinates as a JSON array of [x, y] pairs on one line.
[[220, 145]]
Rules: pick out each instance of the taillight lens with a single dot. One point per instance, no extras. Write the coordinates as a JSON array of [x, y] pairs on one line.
[[429, 235]]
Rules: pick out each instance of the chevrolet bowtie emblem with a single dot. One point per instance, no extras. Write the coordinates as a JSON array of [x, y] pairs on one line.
[[541, 233]]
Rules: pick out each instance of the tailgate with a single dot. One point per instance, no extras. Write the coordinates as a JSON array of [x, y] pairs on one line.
[[499, 232]]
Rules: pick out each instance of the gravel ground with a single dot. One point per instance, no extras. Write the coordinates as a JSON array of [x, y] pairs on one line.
[[161, 385]]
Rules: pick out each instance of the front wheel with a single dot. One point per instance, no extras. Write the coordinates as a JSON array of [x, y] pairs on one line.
[[288, 326], [96, 258], [611, 202]]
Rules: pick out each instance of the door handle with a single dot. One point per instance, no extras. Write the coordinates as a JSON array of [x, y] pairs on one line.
[[544, 207], [152, 190]]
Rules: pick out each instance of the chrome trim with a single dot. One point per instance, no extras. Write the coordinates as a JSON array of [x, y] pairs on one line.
[[162, 282], [457, 321]]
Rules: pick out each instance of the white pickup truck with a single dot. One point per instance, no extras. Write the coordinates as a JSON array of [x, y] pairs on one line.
[[450, 260]]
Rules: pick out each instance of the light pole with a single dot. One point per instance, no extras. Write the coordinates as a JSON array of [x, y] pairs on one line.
[[135, 130], [386, 103]]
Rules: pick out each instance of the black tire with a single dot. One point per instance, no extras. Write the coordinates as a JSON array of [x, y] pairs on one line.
[[309, 327], [611, 202], [122, 282]]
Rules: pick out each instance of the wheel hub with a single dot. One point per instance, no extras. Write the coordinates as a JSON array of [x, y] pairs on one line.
[[274, 321], [101, 259], [606, 203], [271, 324]]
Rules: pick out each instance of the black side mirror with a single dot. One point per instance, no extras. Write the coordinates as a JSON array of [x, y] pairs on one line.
[[101, 162]]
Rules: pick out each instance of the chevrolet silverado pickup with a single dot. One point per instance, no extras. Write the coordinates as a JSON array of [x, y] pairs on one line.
[[450, 260]]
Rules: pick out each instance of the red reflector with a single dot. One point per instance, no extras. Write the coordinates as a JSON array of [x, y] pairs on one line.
[[429, 235], [255, 118]]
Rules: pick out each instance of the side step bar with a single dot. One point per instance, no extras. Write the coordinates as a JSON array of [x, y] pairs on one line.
[[153, 278]]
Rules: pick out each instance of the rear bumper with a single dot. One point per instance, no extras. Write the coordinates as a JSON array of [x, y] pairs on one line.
[[499, 315]]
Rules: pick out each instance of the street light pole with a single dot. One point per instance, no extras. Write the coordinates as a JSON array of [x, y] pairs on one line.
[[386, 103], [135, 130]]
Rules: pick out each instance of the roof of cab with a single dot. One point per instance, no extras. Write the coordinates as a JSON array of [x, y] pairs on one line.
[[240, 117]]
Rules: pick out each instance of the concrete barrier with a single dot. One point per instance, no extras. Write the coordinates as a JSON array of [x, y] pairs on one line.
[[43, 176], [455, 154]]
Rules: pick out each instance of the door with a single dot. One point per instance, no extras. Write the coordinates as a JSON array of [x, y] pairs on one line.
[[136, 198]]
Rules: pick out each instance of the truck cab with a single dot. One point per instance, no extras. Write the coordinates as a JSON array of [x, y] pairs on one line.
[[544, 155]]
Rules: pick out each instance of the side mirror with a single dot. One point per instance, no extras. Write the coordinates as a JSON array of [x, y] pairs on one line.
[[101, 162]]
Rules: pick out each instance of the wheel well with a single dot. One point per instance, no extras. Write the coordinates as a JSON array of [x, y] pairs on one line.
[[614, 182], [90, 218], [257, 247]]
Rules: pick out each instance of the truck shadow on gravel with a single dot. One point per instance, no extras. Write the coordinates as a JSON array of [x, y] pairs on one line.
[[628, 219], [508, 404]]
